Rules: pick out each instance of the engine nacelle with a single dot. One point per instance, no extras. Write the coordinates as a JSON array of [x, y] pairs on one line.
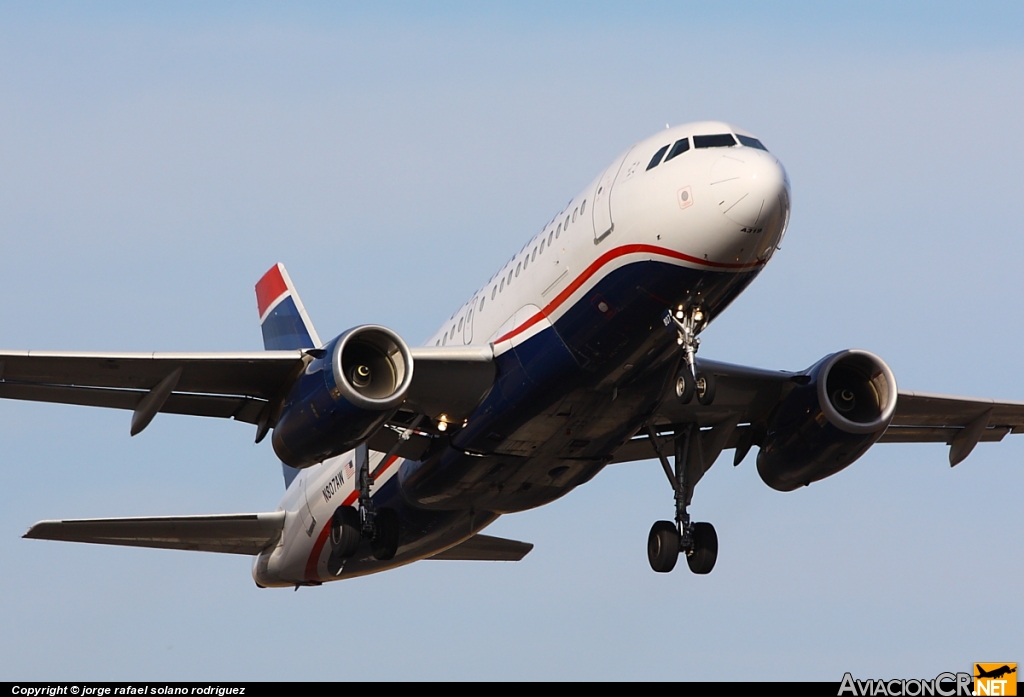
[[838, 409], [355, 383]]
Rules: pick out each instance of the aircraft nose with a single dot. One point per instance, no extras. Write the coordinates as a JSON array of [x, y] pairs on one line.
[[749, 185]]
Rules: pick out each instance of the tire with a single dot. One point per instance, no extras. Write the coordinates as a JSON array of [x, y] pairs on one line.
[[705, 549], [705, 388], [663, 546], [385, 540], [345, 531], [685, 386]]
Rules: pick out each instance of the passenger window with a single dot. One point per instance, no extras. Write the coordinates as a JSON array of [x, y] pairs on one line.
[[720, 140], [656, 160], [679, 148], [460, 324], [444, 342], [574, 214], [518, 266], [510, 277], [437, 343], [566, 226], [751, 142], [482, 304], [558, 231], [534, 255], [502, 285], [551, 236], [494, 290], [526, 261], [542, 246], [583, 206]]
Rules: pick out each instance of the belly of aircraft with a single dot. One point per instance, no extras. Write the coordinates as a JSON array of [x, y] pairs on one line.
[[570, 396]]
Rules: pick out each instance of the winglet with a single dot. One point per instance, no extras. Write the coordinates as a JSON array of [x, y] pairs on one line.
[[283, 317]]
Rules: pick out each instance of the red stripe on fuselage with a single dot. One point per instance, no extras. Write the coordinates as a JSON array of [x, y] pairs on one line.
[[321, 539], [607, 258], [270, 288]]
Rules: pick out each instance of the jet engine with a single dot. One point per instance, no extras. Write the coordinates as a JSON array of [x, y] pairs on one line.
[[352, 386], [838, 408]]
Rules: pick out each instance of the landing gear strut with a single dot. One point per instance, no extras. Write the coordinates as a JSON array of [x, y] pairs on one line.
[[698, 541], [689, 381], [380, 526]]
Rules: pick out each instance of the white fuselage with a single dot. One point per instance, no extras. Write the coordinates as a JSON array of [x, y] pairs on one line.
[[720, 208]]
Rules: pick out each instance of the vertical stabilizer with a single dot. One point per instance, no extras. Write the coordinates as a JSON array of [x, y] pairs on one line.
[[283, 318], [284, 322]]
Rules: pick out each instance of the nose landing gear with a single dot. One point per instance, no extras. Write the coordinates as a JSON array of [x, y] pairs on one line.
[[690, 382], [698, 541]]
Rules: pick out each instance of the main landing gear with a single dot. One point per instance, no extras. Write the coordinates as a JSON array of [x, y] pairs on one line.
[[350, 525], [698, 541]]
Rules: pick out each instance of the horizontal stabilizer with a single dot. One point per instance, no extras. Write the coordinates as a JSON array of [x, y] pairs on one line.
[[486, 548], [236, 533]]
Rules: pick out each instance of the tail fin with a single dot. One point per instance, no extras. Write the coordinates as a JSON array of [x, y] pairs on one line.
[[283, 318], [284, 322]]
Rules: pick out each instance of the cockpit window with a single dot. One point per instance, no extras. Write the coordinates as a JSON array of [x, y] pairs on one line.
[[720, 140], [679, 148], [656, 160], [751, 142]]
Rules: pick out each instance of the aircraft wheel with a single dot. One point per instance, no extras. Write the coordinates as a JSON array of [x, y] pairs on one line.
[[345, 531], [705, 388], [705, 549], [663, 546], [685, 385], [385, 539]]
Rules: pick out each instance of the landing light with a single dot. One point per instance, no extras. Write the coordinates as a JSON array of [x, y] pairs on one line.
[[442, 423], [698, 315]]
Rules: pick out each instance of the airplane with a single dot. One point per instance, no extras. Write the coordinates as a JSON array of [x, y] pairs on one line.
[[580, 352], [996, 672]]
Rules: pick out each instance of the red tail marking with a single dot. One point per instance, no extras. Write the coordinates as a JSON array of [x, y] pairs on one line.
[[270, 288]]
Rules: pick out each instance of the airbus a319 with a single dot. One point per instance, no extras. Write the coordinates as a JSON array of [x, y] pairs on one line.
[[580, 352]]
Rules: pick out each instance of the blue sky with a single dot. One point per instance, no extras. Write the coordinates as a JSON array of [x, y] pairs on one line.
[[154, 161]]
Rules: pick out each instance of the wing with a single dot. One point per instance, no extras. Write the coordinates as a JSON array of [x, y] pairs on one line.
[[960, 422], [242, 386], [245, 533], [224, 385], [746, 396]]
